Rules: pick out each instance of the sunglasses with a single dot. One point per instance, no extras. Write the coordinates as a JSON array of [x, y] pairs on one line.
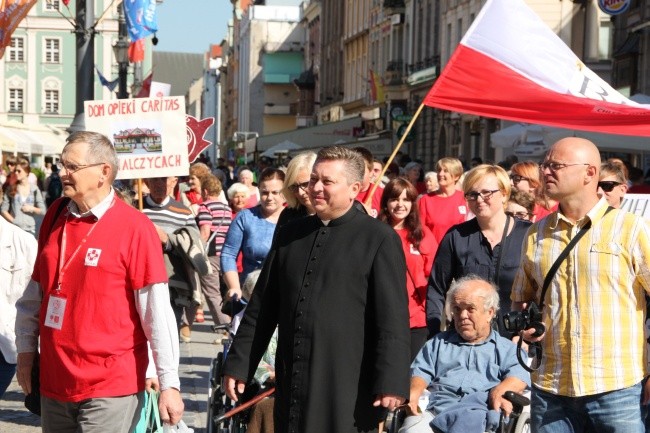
[[520, 215], [517, 178], [608, 185]]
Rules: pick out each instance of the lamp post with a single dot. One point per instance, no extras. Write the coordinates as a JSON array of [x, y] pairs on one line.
[[121, 52], [85, 39]]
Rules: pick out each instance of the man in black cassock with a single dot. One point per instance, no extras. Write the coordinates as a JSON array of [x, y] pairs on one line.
[[334, 284]]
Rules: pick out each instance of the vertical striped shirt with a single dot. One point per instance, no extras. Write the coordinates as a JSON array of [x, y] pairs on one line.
[[219, 216], [595, 306]]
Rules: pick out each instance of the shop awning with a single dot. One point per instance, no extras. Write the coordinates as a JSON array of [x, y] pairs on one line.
[[37, 139], [7, 144]]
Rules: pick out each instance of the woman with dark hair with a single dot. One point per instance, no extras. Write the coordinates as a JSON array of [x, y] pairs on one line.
[[22, 200], [251, 232], [399, 208]]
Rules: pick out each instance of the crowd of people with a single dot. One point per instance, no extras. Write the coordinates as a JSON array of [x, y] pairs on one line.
[[366, 295]]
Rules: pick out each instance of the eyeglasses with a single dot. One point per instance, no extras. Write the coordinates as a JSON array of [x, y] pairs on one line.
[[608, 185], [520, 215], [73, 168], [303, 186], [515, 178], [485, 195], [555, 166]]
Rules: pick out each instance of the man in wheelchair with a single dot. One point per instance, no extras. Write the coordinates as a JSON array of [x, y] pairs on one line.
[[468, 368]]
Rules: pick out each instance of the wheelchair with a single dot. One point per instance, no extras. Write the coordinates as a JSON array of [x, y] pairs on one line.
[[224, 415], [219, 405], [518, 422]]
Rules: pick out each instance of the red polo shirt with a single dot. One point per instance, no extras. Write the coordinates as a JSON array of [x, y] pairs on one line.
[[101, 350]]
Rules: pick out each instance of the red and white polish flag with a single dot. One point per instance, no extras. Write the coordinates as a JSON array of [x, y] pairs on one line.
[[510, 65]]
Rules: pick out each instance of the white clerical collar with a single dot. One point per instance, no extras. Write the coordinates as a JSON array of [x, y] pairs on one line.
[[98, 210], [325, 222], [152, 203]]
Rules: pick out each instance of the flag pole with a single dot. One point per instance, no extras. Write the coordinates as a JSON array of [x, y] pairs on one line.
[[392, 156]]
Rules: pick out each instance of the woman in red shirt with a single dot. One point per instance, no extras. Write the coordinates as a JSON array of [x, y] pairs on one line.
[[399, 208], [442, 209]]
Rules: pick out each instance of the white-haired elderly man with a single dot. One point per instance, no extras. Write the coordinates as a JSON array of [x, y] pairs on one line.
[[470, 366]]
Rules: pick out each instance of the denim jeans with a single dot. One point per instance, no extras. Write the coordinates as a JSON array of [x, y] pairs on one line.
[[6, 374], [610, 412]]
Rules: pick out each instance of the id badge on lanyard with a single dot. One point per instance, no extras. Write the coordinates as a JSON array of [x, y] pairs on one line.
[[55, 311]]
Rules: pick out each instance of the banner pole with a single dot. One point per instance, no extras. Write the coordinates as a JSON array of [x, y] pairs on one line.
[[140, 203], [392, 156]]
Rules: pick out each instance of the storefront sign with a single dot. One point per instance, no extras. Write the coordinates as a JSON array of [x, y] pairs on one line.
[[614, 7]]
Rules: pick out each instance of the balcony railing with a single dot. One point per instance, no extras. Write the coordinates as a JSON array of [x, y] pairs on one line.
[[428, 62], [394, 6]]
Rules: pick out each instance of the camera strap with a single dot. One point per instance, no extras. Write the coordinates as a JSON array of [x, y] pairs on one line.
[[501, 250], [547, 282], [556, 265]]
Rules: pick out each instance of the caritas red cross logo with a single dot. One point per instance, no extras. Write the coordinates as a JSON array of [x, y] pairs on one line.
[[92, 256]]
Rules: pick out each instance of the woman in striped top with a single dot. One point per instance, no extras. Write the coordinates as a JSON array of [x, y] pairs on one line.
[[213, 219]]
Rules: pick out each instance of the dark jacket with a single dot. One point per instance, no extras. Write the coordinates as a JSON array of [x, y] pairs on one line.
[[338, 296]]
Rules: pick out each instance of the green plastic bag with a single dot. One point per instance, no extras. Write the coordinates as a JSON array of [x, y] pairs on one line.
[[150, 416]]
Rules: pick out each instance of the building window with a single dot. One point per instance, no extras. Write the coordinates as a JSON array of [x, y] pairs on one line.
[[16, 50], [52, 51], [52, 5], [15, 100], [51, 102]]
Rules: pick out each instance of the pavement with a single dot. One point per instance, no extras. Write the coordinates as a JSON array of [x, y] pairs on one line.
[[194, 371]]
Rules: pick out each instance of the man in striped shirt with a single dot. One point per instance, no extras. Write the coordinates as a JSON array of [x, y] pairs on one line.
[[169, 215], [594, 359]]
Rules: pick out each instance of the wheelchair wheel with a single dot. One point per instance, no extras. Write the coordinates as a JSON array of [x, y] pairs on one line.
[[523, 424], [215, 394]]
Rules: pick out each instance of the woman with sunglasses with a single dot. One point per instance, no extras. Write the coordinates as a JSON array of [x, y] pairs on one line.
[[612, 184], [399, 208], [295, 188], [527, 177], [22, 200], [488, 245]]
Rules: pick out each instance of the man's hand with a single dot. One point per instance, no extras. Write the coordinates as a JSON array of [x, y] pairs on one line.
[[496, 400], [24, 371], [162, 235], [388, 401], [413, 408], [527, 335], [234, 387], [170, 405], [152, 384]]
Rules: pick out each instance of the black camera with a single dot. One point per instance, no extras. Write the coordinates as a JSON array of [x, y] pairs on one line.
[[531, 317]]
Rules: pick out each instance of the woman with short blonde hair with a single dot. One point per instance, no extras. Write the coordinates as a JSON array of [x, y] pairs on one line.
[[295, 188], [488, 245], [444, 207]]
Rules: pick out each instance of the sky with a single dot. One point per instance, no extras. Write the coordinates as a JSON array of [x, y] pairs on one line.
[[190, 26]]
